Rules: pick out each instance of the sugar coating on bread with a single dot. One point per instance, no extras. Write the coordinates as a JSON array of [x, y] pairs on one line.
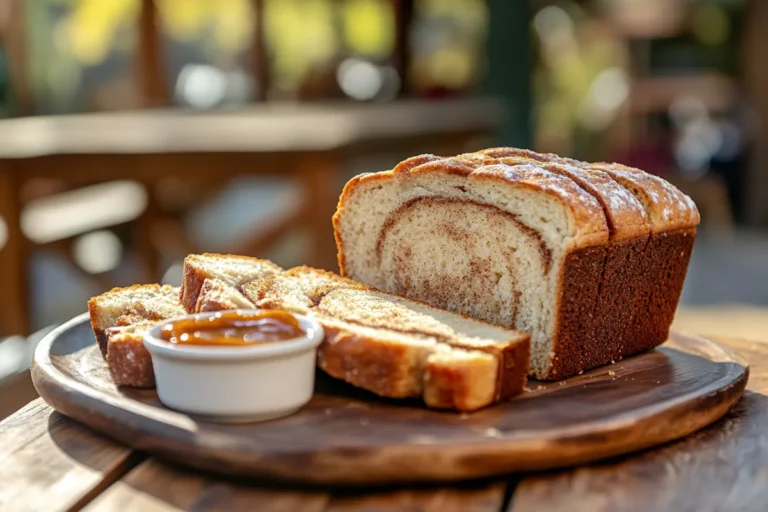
[[278, 291], [216, 295], [228, 268], [565, 250], [667, 207]]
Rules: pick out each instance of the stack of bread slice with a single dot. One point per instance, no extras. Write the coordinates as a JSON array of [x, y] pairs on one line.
[[389, 345], [119, 319]]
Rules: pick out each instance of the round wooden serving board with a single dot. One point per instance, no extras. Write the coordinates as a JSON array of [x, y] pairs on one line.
[[346, 436]]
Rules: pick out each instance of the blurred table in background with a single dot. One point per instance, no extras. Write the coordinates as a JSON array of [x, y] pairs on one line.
[[727, 321], [162, 148]]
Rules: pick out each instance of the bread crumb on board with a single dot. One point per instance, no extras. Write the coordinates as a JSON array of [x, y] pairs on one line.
[[611, 373]]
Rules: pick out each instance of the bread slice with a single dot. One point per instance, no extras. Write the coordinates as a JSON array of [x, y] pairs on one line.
[[128, 361], [460, 379], [227, 268], [120, 318], [403, 365], [135, 304], [392, 346], [588, 258]]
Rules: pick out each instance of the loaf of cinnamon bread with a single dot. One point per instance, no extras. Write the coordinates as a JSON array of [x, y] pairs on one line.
[[588, 258]]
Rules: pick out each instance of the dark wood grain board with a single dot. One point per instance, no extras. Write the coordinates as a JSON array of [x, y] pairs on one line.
[[345, 436], [722, 467]]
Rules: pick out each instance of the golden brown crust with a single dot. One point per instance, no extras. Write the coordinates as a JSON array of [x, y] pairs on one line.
[[460, 383], [101, 340], [414, 161], [667, 207], [128, 360], [625, 215], [521, 170], [369, 359], [511, 355], [507, 152], [588, 215], [513, 362], [191, 284]]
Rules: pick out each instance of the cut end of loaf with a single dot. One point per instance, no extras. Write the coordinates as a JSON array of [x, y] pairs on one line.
[[228, 268], [460, 379]]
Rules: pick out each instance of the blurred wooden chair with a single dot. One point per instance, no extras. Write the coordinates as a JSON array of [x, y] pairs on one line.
[[711, 197], [181, 159]]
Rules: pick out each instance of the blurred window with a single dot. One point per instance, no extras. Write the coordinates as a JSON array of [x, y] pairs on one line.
[[80, 54], [302, 39], [325, 48], [208, 51], [447, 45], [580, 80]]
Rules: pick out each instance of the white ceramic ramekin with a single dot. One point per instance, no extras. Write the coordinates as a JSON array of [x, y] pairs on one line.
[[236, 383]]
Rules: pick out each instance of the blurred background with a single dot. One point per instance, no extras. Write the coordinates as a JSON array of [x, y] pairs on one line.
[[134, 132]]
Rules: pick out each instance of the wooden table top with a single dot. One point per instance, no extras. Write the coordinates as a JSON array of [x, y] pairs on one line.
[[48, 462], [272, 127]]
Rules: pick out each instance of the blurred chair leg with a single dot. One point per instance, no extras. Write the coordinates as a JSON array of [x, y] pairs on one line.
[[711, 196], [170, 237], [258, 245], [14, 305], [319, 175], [149, 254]]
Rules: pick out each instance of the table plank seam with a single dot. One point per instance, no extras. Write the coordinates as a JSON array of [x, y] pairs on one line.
[[509, 491], [108, 479], [24, 415]]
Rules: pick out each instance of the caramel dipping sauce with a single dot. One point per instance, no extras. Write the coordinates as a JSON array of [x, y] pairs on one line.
[[233, 328]]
